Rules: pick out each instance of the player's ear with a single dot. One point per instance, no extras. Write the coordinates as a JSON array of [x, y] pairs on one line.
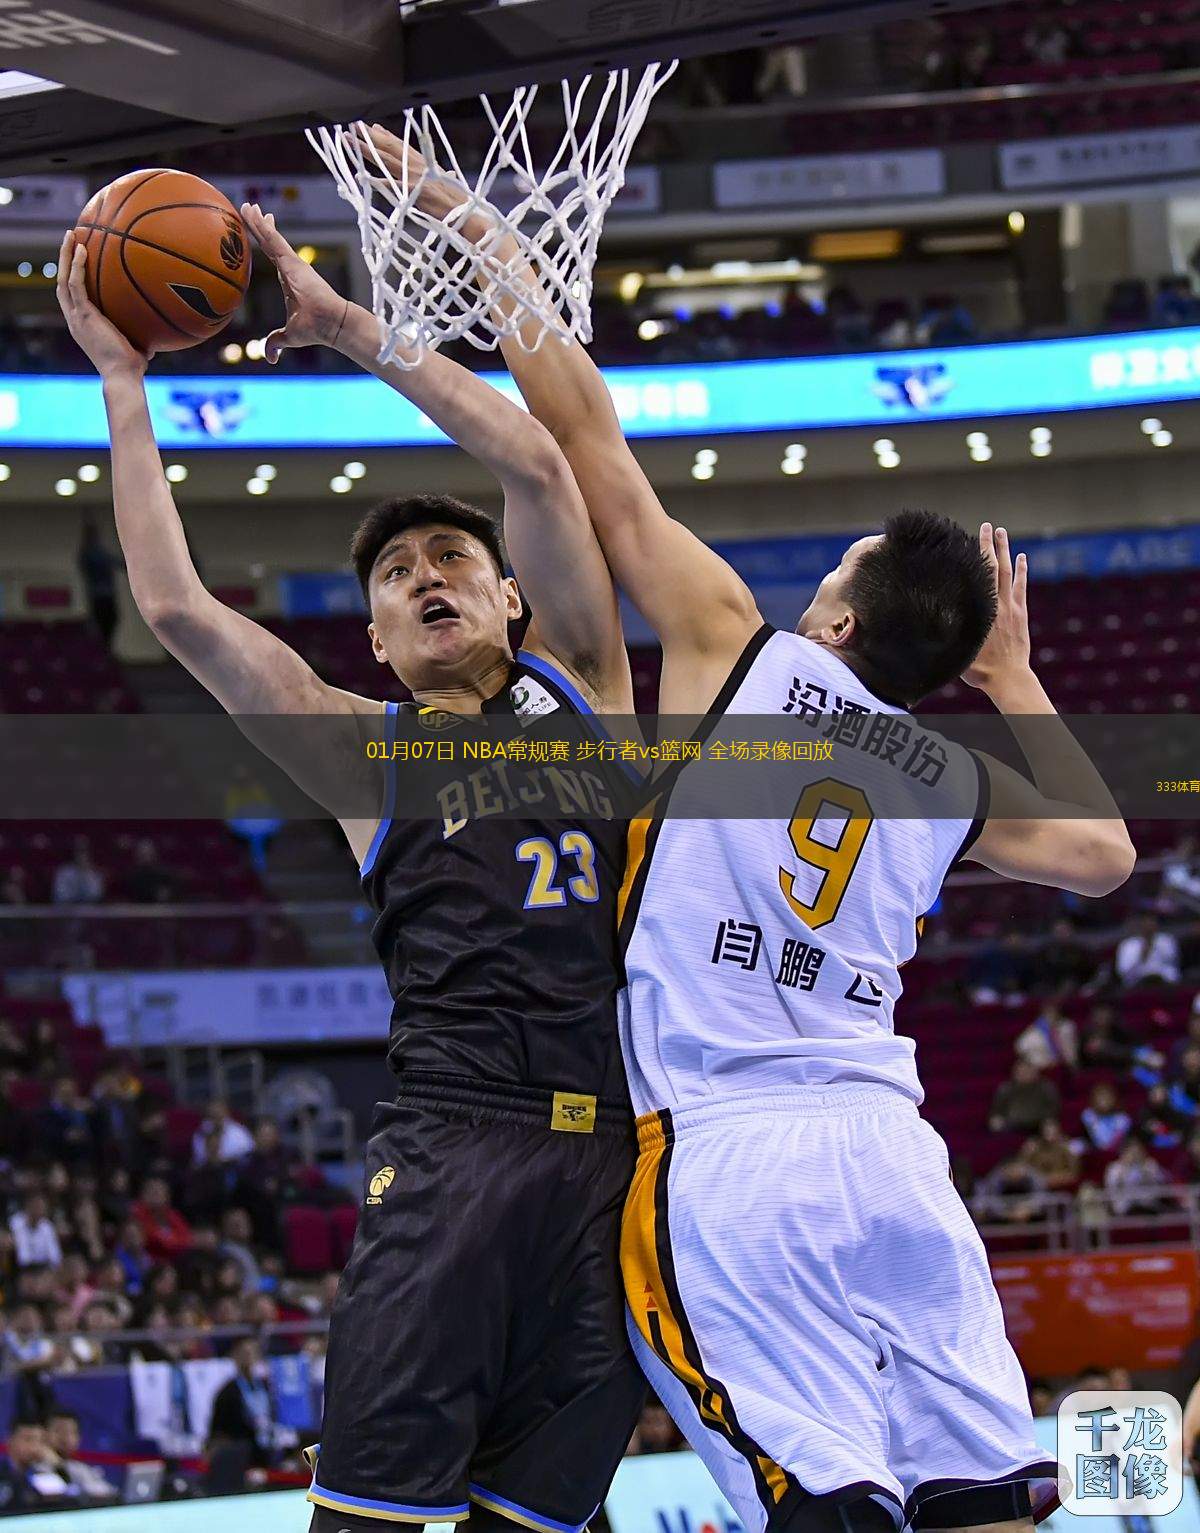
[[841, 630], [513, 605], [377, 648]]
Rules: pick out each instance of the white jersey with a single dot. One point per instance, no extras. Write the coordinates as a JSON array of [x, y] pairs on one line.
[[764, 951]]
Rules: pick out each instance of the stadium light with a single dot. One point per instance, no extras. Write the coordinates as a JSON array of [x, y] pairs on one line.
[[976, 439], [231, 353], [87, 473], [265, 471], [703, 471], [354, 470], [65, 486], [706, 456], [257, 486], [256, 349], [1150, 425], [5, 472], [792, 465], [176, 473], [981, 454], [24, 268], [1162, 438], [340, 485], [890, 459]]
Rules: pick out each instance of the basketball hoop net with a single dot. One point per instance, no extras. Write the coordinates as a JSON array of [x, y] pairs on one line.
[[427, 282]]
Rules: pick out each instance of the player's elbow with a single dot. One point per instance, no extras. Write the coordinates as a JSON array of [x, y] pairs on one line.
[[173, 620], [1108, 860], [541, 461]]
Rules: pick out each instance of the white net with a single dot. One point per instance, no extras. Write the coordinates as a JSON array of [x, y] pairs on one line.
[[433, 278]]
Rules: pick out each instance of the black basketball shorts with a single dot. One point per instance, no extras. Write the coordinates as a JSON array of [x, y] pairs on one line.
[[477, 1346]]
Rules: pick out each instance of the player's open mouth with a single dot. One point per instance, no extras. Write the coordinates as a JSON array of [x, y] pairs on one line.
[[438, 612]]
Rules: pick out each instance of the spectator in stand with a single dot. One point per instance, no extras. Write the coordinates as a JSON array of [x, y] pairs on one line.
[[149, 881], [1108, 1044], [95, 1347], [1132, 1179], [46, 1049], [237, 1232], [1047, 43], [1160, 1127], [236, 1141], [1050, 1040], [114, 1121], [13, 889], [198, 1269], [1014, 1192], [64, 1128], [131, 1252], [33, 1231], [29, 1479], [242, 1433], [26, 1345], [1147, 956], [1064, 965], [1104, 1123], [89, 1231], [13, 1053], [1190, 1039], [72, 1285], [98, 567], [166, 1231], [1183, 1092], [263, 1181], [1188, 1165], [209, 1184], [80, 881], [63, 1438], [1052, 1156], [999, 971], [1024, 1101]]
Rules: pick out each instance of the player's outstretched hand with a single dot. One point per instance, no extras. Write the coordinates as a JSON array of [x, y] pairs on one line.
[[98, 338], [441, 194], [1006, 648], [315, 312]]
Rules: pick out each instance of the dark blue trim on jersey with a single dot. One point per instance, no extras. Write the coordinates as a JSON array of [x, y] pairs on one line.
[[389, 797], [552, 673], [395, 1508], [535, 1519], [577, 701]]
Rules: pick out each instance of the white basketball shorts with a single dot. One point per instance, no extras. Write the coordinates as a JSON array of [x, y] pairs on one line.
[[812, 1303]]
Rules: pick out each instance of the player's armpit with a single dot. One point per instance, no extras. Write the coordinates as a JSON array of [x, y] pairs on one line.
[[1047, 841]]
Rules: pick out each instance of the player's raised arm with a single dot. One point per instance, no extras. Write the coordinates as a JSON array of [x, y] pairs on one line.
[[554, 551], [1063, 829], [248, 669], [697, 605]]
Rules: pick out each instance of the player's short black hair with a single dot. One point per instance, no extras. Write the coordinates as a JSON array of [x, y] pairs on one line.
[[61, 1413], [924, 600], [389, 518]]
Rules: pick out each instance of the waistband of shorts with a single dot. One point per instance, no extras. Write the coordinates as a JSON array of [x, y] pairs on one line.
[[839, 1100], [500, 1101]]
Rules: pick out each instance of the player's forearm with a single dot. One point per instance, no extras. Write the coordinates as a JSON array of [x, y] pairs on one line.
[[161, 574], [560, 383], [1061, 768], [496, 432]]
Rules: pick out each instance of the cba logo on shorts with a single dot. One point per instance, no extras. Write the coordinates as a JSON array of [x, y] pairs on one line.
[[380, 1183]]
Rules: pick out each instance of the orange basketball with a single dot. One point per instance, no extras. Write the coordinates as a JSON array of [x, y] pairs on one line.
[[168, 258]]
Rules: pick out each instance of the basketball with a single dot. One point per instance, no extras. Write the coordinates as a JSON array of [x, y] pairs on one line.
[[168, 258]]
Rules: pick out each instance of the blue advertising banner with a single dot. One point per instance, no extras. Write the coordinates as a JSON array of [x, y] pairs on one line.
[[800, 393]]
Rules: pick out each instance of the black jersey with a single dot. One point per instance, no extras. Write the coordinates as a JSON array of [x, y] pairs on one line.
[[498, 933]]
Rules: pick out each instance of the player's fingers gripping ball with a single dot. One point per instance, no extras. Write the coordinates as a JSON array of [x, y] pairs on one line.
[[168, 258]]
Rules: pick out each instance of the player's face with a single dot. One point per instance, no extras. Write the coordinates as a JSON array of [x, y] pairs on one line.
[[439, 610], [829, 617]]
